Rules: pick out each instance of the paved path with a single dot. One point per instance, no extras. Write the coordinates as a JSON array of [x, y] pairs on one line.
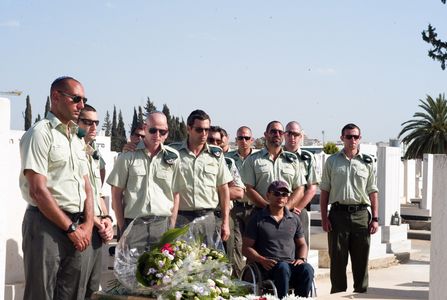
[[409, 280]]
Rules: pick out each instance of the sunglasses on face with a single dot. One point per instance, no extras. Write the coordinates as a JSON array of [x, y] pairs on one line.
[[280, 194], [74, 98], [293, 133], [276, 131], [350, 136], [240, 138], [201, 129], [89, 122], [213, 140], [154, 130], [141, 136]]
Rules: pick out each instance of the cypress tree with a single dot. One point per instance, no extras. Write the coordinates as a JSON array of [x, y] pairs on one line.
[[107, 126], [47, 107], [28, 113]]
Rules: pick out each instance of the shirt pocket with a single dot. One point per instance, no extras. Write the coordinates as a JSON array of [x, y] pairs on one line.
[[58, 156], [210, 175], [137, 174], [288, 173], [361, 172]]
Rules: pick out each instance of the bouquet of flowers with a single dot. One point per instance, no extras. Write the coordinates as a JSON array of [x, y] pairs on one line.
[[179, 266]]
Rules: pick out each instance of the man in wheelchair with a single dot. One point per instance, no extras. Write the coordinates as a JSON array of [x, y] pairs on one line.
[[274, 239]]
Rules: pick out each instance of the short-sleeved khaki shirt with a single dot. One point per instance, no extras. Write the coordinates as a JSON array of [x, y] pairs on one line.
[[94, 174], [238, 159], [309, 165], [259, 170], [348, 182], [147, 181], [46, 149], [200, 176]]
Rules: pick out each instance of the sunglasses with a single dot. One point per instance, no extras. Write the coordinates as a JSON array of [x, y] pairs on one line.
[[280, 194], [89, 122], [213, 140], [240, 138], [201, 129], [154, 130], [74, 98], [293, 133], [350, 136], [276, 131]]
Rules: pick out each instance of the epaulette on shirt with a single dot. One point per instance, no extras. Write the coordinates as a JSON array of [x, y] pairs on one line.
[[176, 145], [367, 158], [306, 155], [215, 151], [169, 156], [229, 162], [290, 157]]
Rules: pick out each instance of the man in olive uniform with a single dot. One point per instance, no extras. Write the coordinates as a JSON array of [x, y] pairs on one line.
[[244, 141], [233, 245], [103, 229], [142, 181], [57, 225], [203, 180], [348, 184], [293, 139], [270, 164]]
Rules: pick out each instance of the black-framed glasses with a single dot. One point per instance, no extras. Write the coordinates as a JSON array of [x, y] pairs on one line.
[[293, 133], [74, 98], [280, 194], [276, 131], [350, 136], [212, 140], [154, 130], [201, 129], [240, 138], [89, 122]]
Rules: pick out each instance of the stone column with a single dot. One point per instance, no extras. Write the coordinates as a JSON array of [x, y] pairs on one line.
[[427, 189], [409, 179], [388, 182], [438, 255]]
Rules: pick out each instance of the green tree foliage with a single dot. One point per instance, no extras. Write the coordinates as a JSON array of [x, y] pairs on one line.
[[330, 148], [114, 140], [439, 48], [140, 114], [107, 126], [37, 119], [28, 116], [134, 120], [47, 107], [149, 106], [427, 132], [121, 132]]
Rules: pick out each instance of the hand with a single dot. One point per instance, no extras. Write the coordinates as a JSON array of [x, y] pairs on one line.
[[297, 262], [297, 210], [373, 227], [106, 230], [129, 147], [268, 263], [80, 238], [326, 224], [225, 231]]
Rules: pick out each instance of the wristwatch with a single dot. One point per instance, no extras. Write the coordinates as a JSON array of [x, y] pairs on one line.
[[72, 228], [375, 219]]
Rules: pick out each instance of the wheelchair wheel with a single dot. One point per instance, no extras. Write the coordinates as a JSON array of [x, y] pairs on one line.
[[252, 275]]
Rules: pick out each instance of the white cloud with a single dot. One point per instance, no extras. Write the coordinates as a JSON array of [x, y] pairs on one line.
[[10, 23]]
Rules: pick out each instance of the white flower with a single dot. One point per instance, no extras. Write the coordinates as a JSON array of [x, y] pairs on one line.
[[178, 295], [166, 279], [159, 275], [161, 263], [225, 290], [151, 271], [168, 255], [198, 289], [211, 283]]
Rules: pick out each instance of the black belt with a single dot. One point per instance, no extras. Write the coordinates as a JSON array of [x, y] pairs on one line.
[[196, 213], [74, 217], [348, 208], [242, 204]]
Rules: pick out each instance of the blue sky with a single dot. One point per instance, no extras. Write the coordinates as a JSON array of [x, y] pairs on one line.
[[323, 63]]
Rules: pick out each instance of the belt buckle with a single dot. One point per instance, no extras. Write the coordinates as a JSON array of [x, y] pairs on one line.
[[352, 208]]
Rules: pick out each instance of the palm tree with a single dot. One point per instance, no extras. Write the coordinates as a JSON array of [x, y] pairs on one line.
[[427, 133]]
